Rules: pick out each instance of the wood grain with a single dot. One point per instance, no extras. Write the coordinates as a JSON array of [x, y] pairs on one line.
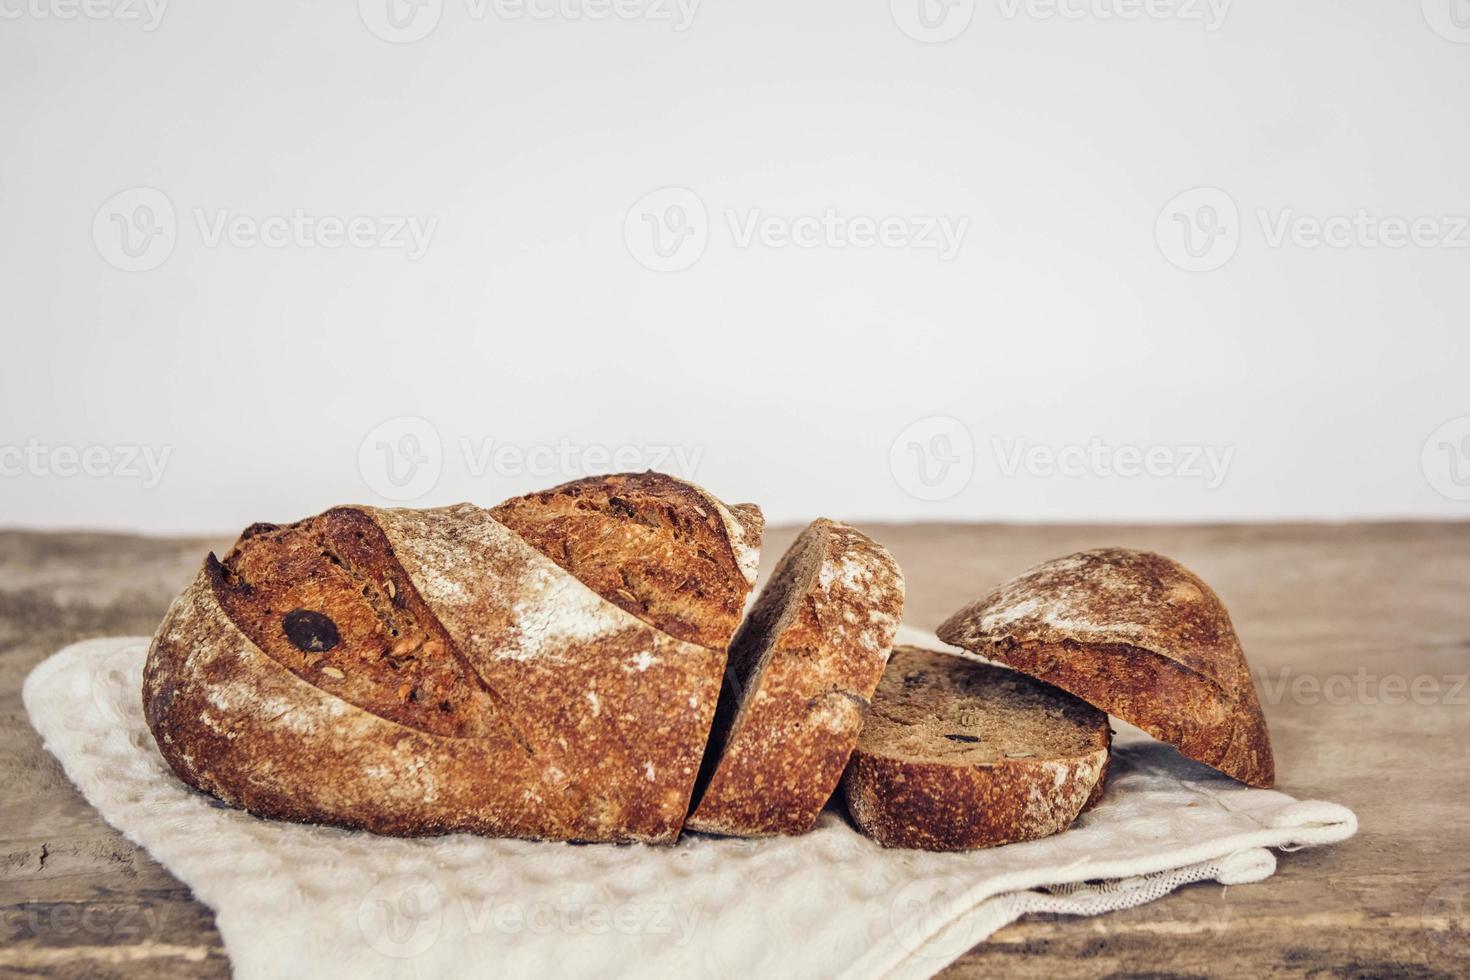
[[1340, 623]]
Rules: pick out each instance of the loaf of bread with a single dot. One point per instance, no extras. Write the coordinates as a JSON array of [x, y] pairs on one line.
[[665, 550], [958, 755], [802, 670], [418, 672], [1139, 636]]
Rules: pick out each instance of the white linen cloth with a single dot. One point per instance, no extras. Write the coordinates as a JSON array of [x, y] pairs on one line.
[[293, 900]]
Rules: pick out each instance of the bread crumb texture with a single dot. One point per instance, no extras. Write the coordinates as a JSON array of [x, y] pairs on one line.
[[959, 755]]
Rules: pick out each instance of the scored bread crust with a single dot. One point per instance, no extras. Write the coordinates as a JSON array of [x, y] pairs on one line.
[[802, 670], [592, 728], [665, 550], [1138, 635], [955, 803]]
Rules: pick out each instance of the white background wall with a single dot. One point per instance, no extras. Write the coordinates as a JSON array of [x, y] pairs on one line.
[[1328, 381]]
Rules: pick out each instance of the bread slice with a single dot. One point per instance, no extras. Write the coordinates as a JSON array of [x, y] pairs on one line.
[[665, 550], [1141, 637], [801, 672], [420, 672], [958, 755]]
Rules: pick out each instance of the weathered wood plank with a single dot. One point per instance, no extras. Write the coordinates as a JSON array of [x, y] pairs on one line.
[[1339, 622]]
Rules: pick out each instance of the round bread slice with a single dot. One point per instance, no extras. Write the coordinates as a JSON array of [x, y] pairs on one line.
[[1138, 635], [958, 755], [801, 672], [665, 550]]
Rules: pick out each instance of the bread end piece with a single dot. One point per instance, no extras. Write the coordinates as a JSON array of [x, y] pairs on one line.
[[1141, 637]]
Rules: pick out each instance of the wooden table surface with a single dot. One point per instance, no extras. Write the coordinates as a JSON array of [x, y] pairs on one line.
[[1359, 636]]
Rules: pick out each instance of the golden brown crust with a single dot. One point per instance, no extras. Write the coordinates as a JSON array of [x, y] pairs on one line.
[[664, 550], [326, 599], [590, 729], [1141, 637], [802, 670], [909, 785]]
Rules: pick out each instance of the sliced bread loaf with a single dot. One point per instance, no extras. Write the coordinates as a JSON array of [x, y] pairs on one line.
[[422, 672], [801, 672], [1141, 637], [958, 755], [665, 550]]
